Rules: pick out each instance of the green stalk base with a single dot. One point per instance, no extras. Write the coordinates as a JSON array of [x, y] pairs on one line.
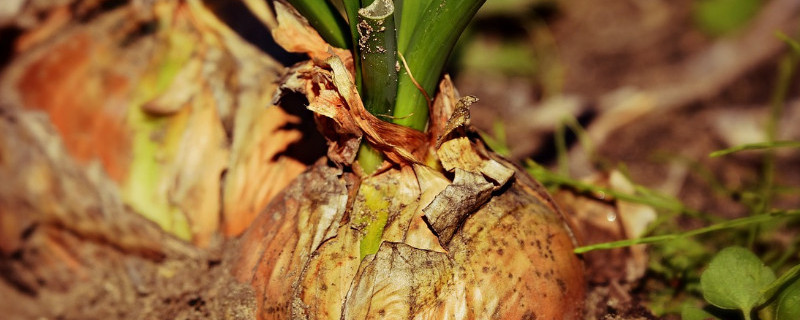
[[369, 158]]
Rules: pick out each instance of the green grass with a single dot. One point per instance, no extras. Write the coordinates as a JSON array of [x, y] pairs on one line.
[[733, 223], [756, 146]]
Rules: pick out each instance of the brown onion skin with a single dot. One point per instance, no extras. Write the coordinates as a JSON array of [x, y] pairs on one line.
[[511, 259]]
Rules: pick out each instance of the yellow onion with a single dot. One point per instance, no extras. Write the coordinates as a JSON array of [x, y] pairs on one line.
[[503, 251], [467, 237], [445, 229]]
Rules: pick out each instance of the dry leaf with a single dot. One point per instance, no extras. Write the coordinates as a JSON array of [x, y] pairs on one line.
[[295, 35], [450, 208], [200, 158], [442, 108], [342, 118], [515, 242], [407, 283]]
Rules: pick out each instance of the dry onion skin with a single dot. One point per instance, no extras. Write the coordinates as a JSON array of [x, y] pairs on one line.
[[473, 239], [509, 258], [464, 235]]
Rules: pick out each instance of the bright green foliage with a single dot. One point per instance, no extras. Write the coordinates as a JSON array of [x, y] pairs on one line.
[[734, 280], [787, 305], [689, 312], [514, 8], [407, 15], [737, 279], [427, 32], [779, 284], [351, 12], [718, 17], [377, 58], [369, 158], [728, 224]]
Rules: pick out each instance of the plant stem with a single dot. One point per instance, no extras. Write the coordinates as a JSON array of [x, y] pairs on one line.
[[377, 45], [351, 10], [406, 15], [561, 149], [786, 71], [428, 49], [368, 158], [323, 16]]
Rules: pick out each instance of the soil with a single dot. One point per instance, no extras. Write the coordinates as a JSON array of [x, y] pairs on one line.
[[107, 283]]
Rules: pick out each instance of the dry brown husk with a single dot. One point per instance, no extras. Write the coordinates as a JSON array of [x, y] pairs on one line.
[[467, 237], [191, 97], [498, 250]]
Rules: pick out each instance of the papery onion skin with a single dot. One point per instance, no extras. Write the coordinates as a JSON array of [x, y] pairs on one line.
[[511, 259]]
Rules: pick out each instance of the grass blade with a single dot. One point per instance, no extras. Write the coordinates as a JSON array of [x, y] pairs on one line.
[[747, 221], [756, 146]]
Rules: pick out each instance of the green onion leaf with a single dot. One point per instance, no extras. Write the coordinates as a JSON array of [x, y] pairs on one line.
[[428, 50], [323, 16]]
